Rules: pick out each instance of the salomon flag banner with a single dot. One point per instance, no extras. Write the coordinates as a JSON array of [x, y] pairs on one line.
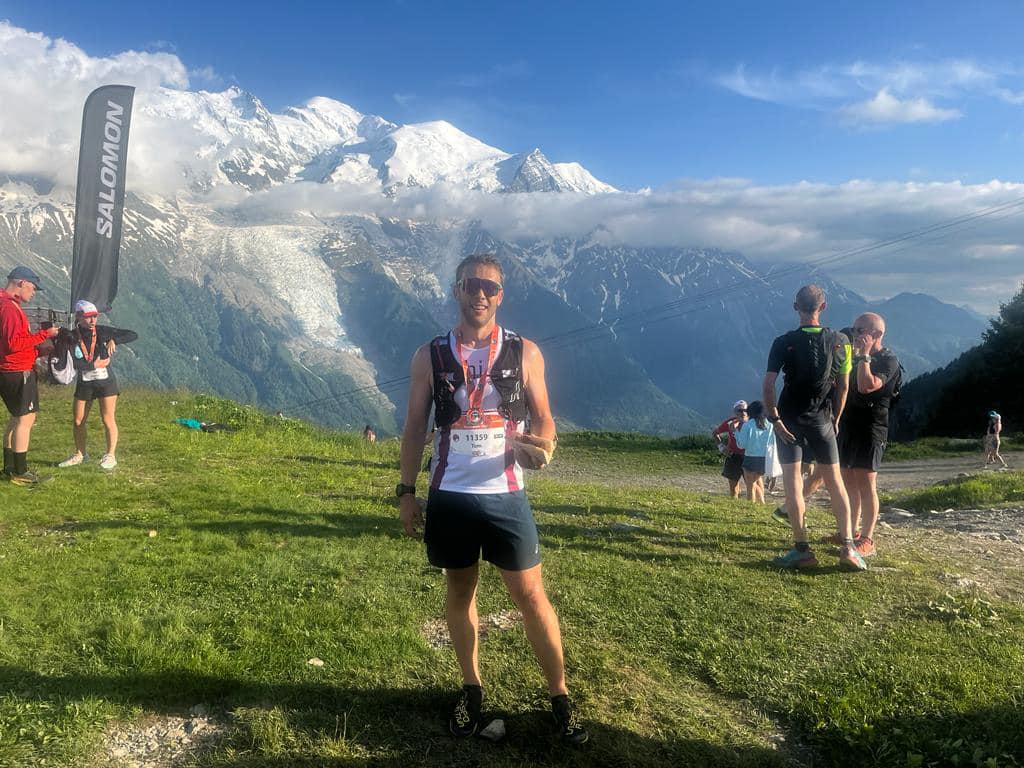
[[99, 204]]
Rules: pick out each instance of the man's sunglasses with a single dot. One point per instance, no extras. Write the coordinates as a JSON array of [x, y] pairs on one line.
[[472, 285]]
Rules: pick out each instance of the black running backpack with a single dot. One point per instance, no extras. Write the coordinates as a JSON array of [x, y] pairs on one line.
[[811, 364]]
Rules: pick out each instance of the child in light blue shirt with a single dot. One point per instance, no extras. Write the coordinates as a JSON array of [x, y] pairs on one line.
[[754, 438]]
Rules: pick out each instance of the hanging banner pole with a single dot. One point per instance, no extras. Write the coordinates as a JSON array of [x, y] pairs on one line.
[[99, 202]]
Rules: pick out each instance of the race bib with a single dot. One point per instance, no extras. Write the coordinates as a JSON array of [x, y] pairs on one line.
[[96, 374], [478, 443]]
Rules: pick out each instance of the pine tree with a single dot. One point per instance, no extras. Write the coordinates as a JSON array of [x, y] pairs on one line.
[[955, 401]]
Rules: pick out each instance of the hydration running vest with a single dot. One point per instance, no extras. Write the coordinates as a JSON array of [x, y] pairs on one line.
[[473, 452], [506, 376], [812, 355]]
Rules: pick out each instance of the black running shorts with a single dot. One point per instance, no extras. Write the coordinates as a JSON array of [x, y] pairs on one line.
[[860, 451], [90, 390], [733, 469], [20, 392], [815, 441], [460, 526], [754, 464]]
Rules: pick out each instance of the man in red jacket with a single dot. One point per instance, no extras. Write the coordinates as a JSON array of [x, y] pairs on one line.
[[18, 387]]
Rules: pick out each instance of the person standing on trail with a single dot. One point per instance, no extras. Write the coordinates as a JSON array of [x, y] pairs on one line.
[[19, 387], [733, 468], [864, 426], [814, 359], [92, 347], [484, 382], [991, 441], [754, 438]]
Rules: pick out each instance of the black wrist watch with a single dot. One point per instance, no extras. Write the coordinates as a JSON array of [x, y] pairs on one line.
[[401, 489], [773, 419]]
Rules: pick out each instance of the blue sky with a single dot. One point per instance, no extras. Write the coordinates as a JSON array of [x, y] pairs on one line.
[[780, 131], [642, 94]]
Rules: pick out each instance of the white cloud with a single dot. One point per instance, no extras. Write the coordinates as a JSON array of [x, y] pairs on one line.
[[44, 82], [881, 93], [886, 109], [768, 224], [44, 85]]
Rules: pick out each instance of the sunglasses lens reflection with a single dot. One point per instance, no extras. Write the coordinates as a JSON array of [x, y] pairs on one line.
[[473, 285]]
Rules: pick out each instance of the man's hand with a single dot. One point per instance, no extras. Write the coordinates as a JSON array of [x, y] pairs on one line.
[[111, 346], [533, 452], [52, 331], [862, 344], [785, 434], [410, 513]]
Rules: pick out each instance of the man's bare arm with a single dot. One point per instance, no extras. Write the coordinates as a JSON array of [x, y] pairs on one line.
[[768, 393], [416, 415], [542, 423], [867, 382], [839, 398], [411, 453]]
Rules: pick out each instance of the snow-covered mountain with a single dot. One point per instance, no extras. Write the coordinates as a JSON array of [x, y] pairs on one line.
[[318, 315], [238, 141]]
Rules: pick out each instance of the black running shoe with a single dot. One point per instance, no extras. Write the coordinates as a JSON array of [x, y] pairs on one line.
[[570, 730], [465, 718], [780, 514]]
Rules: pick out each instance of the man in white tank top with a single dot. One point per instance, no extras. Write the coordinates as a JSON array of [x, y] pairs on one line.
[[477, 502]]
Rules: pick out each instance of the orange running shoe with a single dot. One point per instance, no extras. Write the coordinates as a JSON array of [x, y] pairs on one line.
[[866, 546]]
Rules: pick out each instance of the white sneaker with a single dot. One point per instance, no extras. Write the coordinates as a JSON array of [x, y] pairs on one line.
[[74, 460], [108, 461]]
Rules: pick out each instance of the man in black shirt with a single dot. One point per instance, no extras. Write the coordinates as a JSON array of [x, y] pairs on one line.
[[864, 427], [816, 364]]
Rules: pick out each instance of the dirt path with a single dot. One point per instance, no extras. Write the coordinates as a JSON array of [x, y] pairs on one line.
[[1004, 525], [894, 476], [924, 472]]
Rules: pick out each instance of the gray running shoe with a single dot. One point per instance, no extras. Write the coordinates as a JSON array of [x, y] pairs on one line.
[[29, 479]]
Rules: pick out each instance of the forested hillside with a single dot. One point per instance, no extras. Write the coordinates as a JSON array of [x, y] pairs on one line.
[[955, 400]]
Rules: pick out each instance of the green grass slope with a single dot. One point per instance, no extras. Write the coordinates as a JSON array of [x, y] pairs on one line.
[[278, 543]]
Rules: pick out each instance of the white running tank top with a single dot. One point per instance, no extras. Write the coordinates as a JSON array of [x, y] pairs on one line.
[[477, 459]]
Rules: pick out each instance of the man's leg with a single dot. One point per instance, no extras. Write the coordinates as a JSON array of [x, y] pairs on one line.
[[840, 501], [867, 481], [793, 485], [734, 488], [814, 480], [21, 431], [801, 555], [852, 482], [8, 450], [460, 611], [541, 623]]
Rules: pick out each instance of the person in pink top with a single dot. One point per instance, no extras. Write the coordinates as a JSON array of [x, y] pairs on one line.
[[18, 386], [733, 469]]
